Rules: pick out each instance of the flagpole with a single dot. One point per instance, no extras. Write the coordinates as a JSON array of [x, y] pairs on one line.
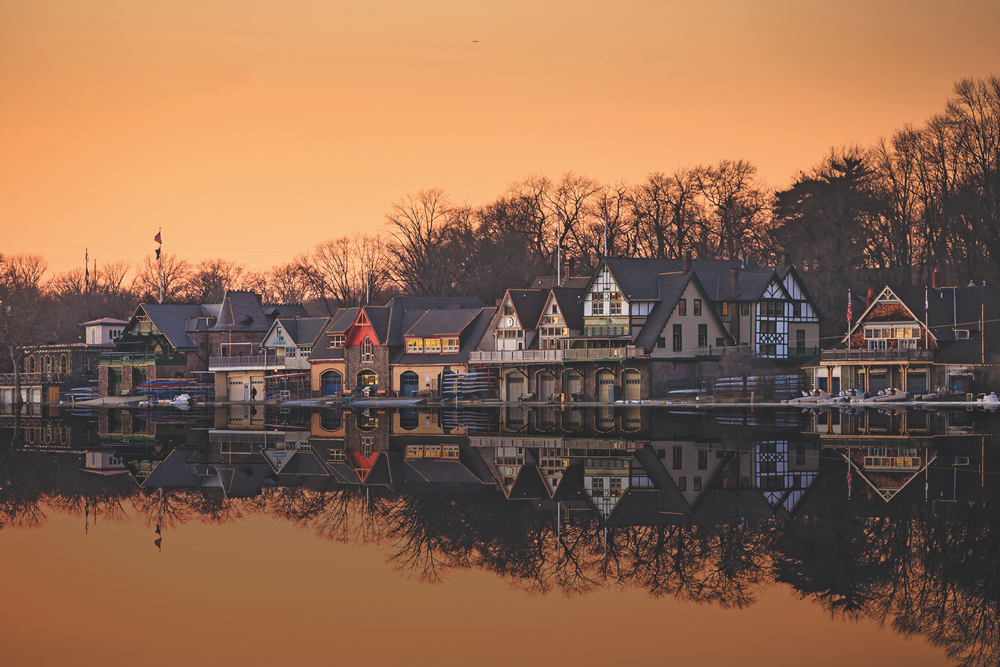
[[848, 324], [159, 261]]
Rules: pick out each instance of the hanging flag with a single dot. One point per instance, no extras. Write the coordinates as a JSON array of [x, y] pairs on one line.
[[848, 307], [157, 253], [158, 238], [158, 541]]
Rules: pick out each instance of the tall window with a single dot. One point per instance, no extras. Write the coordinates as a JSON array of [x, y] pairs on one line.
[[682, 307], [678, 341], [702, 335], [697, 307], [725, 309], [597, 305], [367, 352], [800, 341], [745, 309]]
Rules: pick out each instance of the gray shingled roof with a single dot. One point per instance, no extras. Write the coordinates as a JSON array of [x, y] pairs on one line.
[[637, 277], [570, 302], [304, 330], [171, 320], [528, 304], [442, 322], [401, 304], [378, 316], [468, 340]]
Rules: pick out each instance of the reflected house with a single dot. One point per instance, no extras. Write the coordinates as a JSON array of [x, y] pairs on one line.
[[442, 464], [104, 463], [919, 340], [164, 341], [291, 453]]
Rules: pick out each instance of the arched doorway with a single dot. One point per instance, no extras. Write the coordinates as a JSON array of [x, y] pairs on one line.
[[633, 385], [332, 383], [572, 383], [409, 384], [516, 386], [367, 382], [546, 385], [605, 386]]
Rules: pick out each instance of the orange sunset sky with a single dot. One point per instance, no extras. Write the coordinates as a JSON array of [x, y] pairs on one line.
[[252, 130]]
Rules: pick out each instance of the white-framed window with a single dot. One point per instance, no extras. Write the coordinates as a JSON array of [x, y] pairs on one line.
[[450, 346], [305, 352], [336, 340], [432, 345], [414, 345], [367, 351]]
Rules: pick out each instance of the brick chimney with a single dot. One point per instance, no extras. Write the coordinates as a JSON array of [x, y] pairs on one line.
[[786, 260], [870, 299], [688, 262], [936, 279]]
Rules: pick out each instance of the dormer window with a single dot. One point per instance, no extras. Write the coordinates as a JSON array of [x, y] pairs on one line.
[[415, 345], [450, 346], [961, 334], [336, 340], [432, 345]]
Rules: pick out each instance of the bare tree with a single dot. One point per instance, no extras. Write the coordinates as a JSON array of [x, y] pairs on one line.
[[167, 276], [26, 319]]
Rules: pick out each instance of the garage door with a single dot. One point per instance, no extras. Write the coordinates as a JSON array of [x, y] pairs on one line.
[[633, 386], [238, 390], [515, 386], [605, 386], [546, 386], [573, 382]]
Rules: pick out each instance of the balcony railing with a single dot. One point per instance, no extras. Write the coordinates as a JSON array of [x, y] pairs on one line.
[[127, 358], [500, 356], [252, 361], [7, 379], [877, 355], [605, 353]]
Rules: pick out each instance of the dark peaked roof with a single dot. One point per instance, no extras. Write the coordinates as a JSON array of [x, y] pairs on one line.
[[548, 282], [342, 320], [528, 304], [955, 308], [304, 330], [469, 336], [671, 287], [570, 305], [637, 277], [171, 320], [442, 322], [401, 304], [378, 316]]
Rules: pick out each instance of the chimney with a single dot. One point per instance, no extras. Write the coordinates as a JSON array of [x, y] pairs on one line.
[[936, 279], [687, 262], [734, 313], [786, 260], [870, 299]]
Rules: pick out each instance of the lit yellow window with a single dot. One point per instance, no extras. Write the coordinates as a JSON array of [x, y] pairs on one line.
[[432, 345], [414, 345]]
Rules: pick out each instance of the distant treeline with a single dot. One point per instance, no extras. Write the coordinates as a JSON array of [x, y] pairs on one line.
[[926, 197]]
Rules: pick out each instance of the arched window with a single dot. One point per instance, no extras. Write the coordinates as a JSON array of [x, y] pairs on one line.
[[409, 384], [62, 364], [367, 354]]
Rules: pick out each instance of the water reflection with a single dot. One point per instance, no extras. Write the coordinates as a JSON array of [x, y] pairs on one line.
[[884, 515]]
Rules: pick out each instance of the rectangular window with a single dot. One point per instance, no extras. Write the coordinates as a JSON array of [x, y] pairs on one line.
[[336, 340], [450, 345], [682, 307], [305, 352], [678, 340], [678, 457], [697, 307], [702, 459], [615, 308], [800, 341], [682, 483], [796, 310], [697, 483], [596, 306], [720, 342], [745, 309], [702, 335], [414, 345], [432, 345], [661, 342], [725, 309]]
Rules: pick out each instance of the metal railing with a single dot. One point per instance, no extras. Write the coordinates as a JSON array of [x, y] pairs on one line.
[[127, 358], [7, 379], [499, 356], [253, 361], [876, 355]]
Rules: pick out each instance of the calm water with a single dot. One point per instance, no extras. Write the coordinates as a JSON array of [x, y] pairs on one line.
[[491, 536]]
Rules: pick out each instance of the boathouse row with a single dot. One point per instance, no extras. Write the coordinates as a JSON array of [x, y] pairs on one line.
[[919, 340]]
